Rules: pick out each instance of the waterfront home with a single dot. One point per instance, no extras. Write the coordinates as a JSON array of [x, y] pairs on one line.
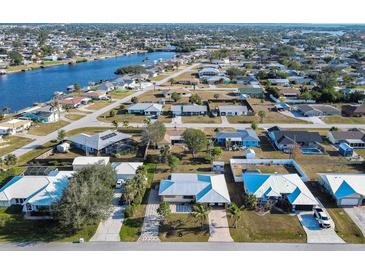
[[189, 110], [285, 140], [47, 114], [208, 189], [21, 188], [126, 170], [97, 95], [85, 161], [317, 110], [109, 141], [74, 102], [346, 189], [239, 138], [14, 126], [279, 187], [353, 110], [232, 110], [149, 109], [355, 138], [254, 92]]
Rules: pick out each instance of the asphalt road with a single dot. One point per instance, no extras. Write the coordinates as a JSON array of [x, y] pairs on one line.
[[152, 246]]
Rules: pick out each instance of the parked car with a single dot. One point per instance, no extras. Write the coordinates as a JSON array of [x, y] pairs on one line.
[[322, 218], [119, 184]]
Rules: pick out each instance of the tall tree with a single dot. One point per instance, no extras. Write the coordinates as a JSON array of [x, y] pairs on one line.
[[195, 139], [234, 212], [87, 199], [153, 133], [200, 212]]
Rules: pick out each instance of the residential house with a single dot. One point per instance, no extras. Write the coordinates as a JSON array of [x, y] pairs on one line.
[[20, 189], [289, 92], [172, 137], [353, 110], [253, 92], [281, 82], [97, 95], [189, 110], [354, 138], [240, 138], [47, 114], [149, 109], [14, 126], [84, 161], [208, 72], [232, 110], [279, 187], [317, 110], [285, 140], [126, 170], [346, 189], [109, 141], [208, 189], [74, 102]]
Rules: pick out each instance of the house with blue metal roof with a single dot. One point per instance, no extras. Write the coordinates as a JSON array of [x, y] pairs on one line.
[[346, 189], [198, 188], [278, 187], [241, 138]]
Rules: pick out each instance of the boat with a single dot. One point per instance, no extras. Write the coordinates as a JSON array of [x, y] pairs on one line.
[[3, 72]]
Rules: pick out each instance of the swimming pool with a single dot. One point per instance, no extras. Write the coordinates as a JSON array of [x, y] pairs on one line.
[[311, 151]]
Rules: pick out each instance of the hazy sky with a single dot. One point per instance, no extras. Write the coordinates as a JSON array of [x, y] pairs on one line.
[[184, 11]]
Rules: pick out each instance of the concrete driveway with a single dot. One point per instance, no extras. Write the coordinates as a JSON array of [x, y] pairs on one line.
[[109, 229], [357, 214], [151, 222], [315, 234], [218, 226]]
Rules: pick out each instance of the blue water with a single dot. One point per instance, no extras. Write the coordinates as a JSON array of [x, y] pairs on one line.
[[22, 89]]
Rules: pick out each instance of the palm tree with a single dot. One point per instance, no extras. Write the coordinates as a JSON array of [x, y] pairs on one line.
[[115, 124], [200, 212], [262, 115], [125, 124], [234, 212], [164, 152], [147, 121]]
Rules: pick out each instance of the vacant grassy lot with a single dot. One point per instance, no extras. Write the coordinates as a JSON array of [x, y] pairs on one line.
[[14, 228], [120, 118], [11, 143], [281, 228], [344, 226], [74, 116], [45, 129], [120, 94], [344, 120], [201, 119], [98, 104], [183, 228]]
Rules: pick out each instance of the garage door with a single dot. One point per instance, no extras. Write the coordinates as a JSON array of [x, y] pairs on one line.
[[349, 202], [304, 207]]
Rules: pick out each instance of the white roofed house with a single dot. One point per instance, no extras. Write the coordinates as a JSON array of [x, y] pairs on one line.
[[198, 188], [109, 141], [189, 110], [145, 109], [14, 126], [232, 110], [279, 187], [346, 189], [34, 193], [81, 162], [126, 170]]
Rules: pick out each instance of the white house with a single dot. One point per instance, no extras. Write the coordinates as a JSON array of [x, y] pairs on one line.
[[199, 188], [346, 189], [14, 126], [126, 170], [280, 187], [21, 188], [81, 162]]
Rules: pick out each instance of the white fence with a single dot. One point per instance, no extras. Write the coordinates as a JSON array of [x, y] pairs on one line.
[[269, 162]]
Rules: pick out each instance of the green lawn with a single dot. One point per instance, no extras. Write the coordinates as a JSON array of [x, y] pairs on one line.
[[74, 116], [41, 129], [11, 143], [183, 228], [201, 119], [14, 228], [120, 94], [344, 120], [344, 226], [281, 228], [98, 104]]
